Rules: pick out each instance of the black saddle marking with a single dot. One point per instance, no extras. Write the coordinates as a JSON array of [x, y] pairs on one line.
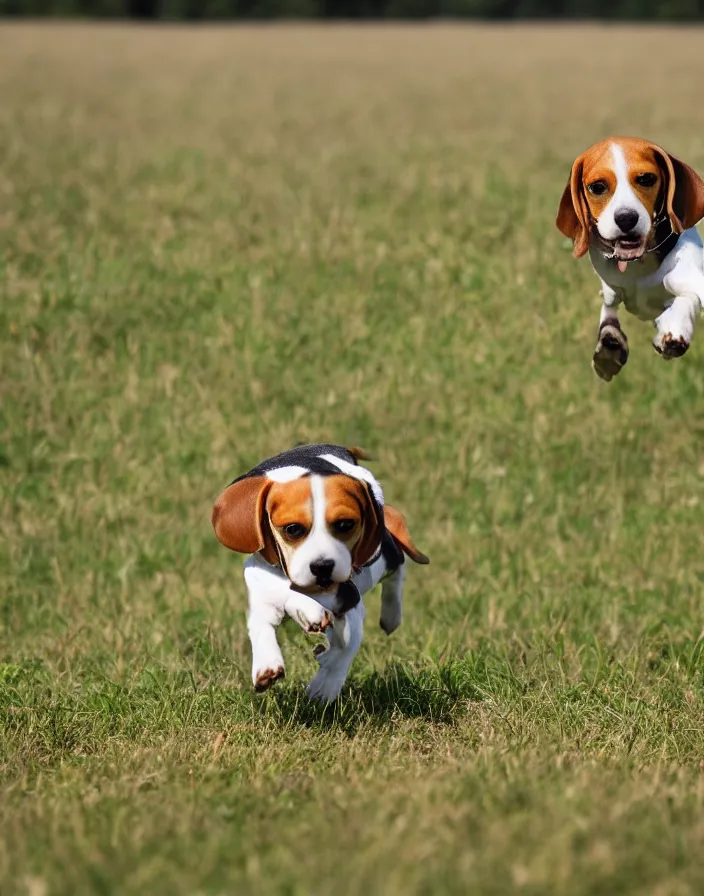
[[306, 456]]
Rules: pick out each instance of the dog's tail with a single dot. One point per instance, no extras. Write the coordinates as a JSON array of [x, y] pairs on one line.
[[359, 453]]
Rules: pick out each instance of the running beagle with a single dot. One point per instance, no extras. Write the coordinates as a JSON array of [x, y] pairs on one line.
[[320, 537], [634, 208]]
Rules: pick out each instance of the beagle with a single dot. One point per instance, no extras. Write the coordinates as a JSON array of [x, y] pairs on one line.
[[320, 536], [634, 208]]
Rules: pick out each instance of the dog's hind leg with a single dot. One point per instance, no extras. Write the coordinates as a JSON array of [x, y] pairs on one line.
[[392, 599], [344, 638]]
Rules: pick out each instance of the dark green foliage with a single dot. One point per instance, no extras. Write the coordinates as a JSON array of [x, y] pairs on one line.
[[214, 10]]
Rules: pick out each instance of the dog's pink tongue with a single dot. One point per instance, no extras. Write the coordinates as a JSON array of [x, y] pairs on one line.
[[622, 265]]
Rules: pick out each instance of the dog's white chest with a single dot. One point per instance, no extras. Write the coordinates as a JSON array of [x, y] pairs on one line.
[[646, 302], [650, 287], [640, 287]]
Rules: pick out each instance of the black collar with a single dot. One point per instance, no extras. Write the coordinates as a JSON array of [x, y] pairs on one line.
[[665, 239]]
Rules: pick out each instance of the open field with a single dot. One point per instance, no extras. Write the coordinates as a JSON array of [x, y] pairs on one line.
[[218, 242]]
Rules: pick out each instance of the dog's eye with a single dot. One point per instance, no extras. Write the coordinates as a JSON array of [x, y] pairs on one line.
[[344, 526], [294, 531], [647, 180], [598, 188]]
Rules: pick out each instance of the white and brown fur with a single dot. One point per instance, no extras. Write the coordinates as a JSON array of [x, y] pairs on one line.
[[634, 208], [320, 537]]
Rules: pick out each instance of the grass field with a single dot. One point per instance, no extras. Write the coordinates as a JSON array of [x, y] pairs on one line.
[[216, 243]]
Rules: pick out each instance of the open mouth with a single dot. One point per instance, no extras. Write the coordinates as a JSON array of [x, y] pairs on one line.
[[625, 250], [629, 249]]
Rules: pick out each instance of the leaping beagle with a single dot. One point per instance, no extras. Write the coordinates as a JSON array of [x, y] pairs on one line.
[[634, 207], [320, 536]]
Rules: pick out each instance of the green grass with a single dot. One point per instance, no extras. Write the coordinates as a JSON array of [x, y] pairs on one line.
[[218, 243]]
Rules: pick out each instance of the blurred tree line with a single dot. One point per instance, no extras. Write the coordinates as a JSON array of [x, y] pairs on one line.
[[655, 10]]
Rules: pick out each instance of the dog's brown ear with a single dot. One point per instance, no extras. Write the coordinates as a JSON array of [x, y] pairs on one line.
[[397, 528], [573, 218], [684, 198], [239, 518], [372, 523]]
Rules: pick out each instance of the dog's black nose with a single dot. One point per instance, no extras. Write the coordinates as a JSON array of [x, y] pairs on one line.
[[626, 219], [322, 569]]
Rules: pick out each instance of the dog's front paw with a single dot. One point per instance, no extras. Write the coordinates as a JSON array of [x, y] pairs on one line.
[[669, 346], [611, 352], [264, 678], [313, 623]]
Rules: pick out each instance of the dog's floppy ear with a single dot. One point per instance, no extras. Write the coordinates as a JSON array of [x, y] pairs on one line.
[[397, 528], [684, 198], [239, 518], [573, 218], [372, 524]]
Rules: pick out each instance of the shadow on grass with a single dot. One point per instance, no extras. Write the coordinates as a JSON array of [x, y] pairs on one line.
[[436, 693]]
